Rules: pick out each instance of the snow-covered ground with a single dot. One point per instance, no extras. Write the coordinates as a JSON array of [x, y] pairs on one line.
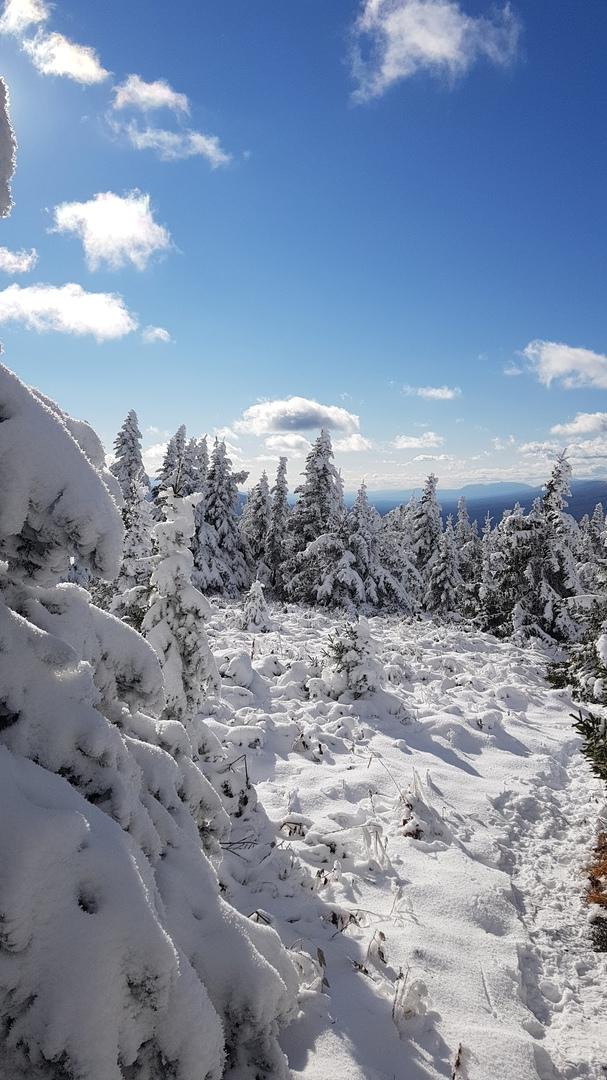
[[431, 852]]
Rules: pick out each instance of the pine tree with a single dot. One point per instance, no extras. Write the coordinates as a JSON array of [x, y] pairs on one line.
[[379, 568], [170, 472], [255, 612], [278, 528], [220, 564], [353, 670], [426, 528], [131, 591], [397, 554], [444, 580], [319, 508], [174, 622], [255, 524], [128, 462]]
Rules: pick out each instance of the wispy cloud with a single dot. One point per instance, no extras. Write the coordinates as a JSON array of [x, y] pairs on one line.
[[135, 93], [432, 393], [433, 457], [114, 229], [512, 370], [67, 309], [295, 414], [17, 262], [155, 335], [553, 361], [417, 442], [54, 54], [175, 145], [395, 39]]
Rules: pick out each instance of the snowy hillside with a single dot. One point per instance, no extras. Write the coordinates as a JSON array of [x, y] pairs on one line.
[[432, 845]]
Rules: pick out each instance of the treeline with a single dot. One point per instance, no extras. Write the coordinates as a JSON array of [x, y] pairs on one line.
[[535, 573]]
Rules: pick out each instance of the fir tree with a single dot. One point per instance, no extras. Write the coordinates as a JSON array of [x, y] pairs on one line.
[[444, 581], [255, 525], [219, 558], [128, 462], [278, 528], [319, 508], [255, 612], [426, 527], [174, 622], [379, 568], [170, 472]]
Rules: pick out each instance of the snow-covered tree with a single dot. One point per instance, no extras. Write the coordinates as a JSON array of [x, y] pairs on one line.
[[353, 670], [397, 554], [255, 524], [426, 527], [319, 508], [220, 564], [174, 622], [127, 466], [444, 586], [255, 612], [120, 957], [277, 532], [378, 568], [130, 592], [169, 474]]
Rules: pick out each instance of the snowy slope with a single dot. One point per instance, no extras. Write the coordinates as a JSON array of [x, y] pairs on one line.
[[433, 847]]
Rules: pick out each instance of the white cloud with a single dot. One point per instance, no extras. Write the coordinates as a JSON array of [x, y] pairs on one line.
[[432, 393], [503, 444], [154, 335], [67, 309], [17, 262], [226, 433], [295, 414], [394, 39], [135, 93], [583, 424], [513, 370], [19, 15], [54, 54], [8, 146], [176, 145], [296, 445], [573, 367], [417, 442], [153, 456], [433, 457], [546, 449], [114, 229], [352, 444]]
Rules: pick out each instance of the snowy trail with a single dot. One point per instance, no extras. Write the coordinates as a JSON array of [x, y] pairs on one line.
[[433, 846]]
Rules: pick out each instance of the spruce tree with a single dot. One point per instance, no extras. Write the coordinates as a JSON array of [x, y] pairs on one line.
[[169, 474], [220, 564], [443, 589], [278, 528], [174, 622], [255, 524], [127, 466], [426, 528]]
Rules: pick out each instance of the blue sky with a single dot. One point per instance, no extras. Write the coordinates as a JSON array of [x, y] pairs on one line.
[[387, 197]]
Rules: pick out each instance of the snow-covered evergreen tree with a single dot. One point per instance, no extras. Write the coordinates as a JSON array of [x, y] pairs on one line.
[[255, 524], [353, 670], [319, 508], [220, 564], [255, 612], [128, 462], [397, 554], [119, 955], [169, 475], [426, 527], [444, 587], [278, 528], [174, 622], [378, 568], [131, 589]]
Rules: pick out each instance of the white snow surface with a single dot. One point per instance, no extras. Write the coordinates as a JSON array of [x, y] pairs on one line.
[[433, 839]]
